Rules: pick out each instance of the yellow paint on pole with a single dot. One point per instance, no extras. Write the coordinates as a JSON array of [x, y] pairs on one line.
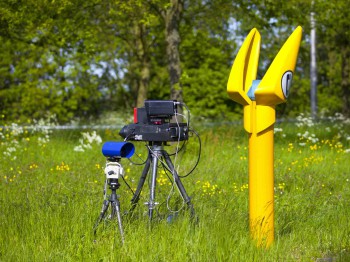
[[259, 99], [274, 87], [243, 72], [261, 183]]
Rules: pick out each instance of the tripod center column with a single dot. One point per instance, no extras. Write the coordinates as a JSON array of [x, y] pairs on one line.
[[156, 152]]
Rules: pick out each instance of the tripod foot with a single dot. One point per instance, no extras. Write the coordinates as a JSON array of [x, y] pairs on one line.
[[171, 218]]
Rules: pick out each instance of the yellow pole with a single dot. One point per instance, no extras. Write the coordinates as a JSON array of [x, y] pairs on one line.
[[259, 99], [261, 183]]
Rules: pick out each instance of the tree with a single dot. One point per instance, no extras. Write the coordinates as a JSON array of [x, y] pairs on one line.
[[44, 67], [313, 68], [172, 17], [79, 58], [333, 29]]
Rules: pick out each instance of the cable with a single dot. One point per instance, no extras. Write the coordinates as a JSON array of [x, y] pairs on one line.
[[188, 110], [182, 146], [178, 140], [131, 133], [189, 113], [128, 185], [138, 164], [199, 154]]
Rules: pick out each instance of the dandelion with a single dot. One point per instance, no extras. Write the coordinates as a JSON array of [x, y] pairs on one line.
[[314, 147], [33, 166], [281, 187], [62, 167], [244, 187], [162, 180]]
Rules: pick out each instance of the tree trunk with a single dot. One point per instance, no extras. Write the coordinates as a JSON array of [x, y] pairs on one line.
[[144, 63], [345, 83], [172, 35]]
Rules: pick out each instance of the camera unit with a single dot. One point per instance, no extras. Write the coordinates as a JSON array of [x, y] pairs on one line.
[[153, 123]]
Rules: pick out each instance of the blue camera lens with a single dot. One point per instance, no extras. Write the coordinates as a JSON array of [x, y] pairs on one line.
[[118, 149]]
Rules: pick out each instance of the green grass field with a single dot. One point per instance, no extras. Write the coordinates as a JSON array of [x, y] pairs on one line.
[[52, 194]]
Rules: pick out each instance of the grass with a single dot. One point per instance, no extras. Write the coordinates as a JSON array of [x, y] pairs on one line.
[[51, 196]]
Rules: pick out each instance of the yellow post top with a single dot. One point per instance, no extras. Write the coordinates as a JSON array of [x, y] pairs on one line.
[[274, 87], [244, 69]]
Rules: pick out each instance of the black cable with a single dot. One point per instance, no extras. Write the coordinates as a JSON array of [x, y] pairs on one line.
[[128, 185], [179, 150], [198, 158], [138, 164], [131, 134], [199, 154]]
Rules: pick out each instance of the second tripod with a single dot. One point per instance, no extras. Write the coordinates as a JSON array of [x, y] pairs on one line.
[[113, 172], [156, 153]]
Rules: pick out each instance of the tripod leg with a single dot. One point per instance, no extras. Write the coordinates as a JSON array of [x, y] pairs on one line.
[[136, 197], [116, 213], [178, 182], [152, 203], [102, 214]]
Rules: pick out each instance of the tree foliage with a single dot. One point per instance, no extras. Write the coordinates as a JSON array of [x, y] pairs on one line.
[[77, 58]]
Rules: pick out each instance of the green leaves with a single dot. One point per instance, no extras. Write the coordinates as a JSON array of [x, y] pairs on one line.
[[79, 58]]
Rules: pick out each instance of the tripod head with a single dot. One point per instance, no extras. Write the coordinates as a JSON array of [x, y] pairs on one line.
[[113, 171]]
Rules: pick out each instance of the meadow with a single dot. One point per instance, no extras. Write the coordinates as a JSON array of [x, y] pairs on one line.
[[51, 184]]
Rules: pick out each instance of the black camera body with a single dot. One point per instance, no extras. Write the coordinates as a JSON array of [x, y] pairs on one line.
[[152, 123]]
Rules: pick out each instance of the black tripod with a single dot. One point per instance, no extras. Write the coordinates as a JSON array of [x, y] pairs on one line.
[[156, 153], [113, 171]]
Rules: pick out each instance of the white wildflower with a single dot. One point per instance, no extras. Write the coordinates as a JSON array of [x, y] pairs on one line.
[[87, 140], [79, 149], [276, 130]]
